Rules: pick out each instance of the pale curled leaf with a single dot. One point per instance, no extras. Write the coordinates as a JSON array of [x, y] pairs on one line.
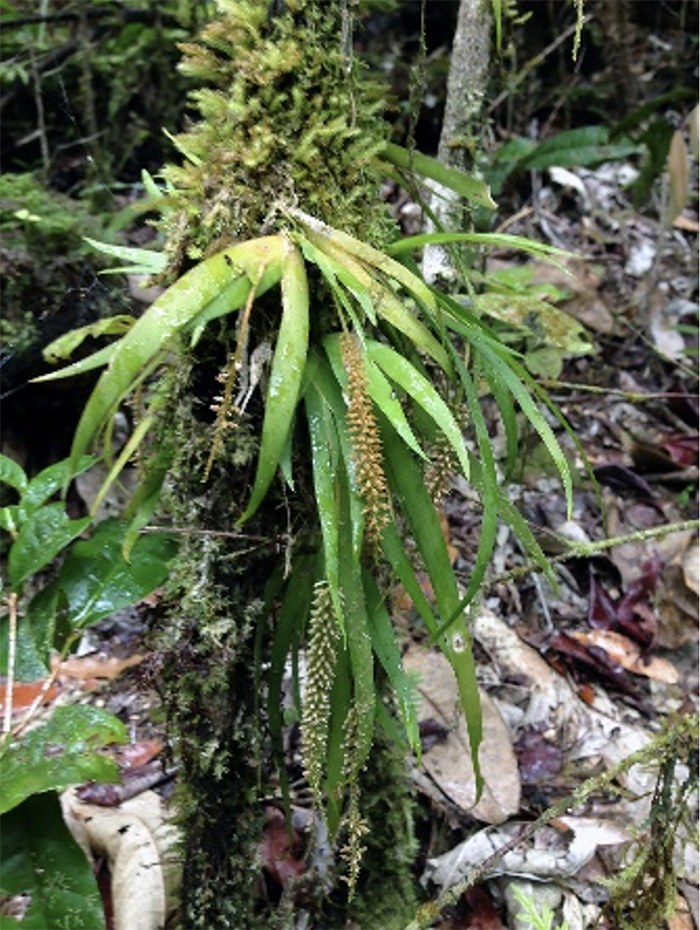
[[140, 848]]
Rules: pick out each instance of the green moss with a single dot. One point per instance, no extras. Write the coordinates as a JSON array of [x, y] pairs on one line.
[[286, 120]]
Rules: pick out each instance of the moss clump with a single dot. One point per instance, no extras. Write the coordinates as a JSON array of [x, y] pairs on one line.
[[285, 119]]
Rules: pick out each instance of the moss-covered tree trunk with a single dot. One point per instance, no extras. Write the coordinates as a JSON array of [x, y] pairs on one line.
[[282, 116]]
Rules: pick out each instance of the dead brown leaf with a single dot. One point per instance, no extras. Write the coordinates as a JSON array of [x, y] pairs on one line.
[[95, 665], [628, 655]]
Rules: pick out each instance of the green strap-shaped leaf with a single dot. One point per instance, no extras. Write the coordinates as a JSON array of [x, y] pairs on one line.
[[324, 458], [40, 539], [143, 261], [231, 270], [286, 374], [65, 345], [334, 272], [89, 363], [495, 240], [321, 236], [331, 389], [407, 482], [487, 482], [421, 390], [387, 651], [471, 188]]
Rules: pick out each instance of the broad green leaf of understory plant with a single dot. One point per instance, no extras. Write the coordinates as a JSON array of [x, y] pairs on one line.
[[40, 539], [96, 580], [13, 474], [39, 858], [59, 753]]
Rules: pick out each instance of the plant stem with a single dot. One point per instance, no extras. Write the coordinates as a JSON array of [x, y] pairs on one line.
[[583, 550], [654, 751], [11, 658]]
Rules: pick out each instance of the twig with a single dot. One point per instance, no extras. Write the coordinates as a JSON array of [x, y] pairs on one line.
[[633, 398], [533, 63], [651, 753], [26, 720], [11, 657], [583, 550], [191, 531]]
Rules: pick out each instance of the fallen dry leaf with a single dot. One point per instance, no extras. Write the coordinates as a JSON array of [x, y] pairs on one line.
[[139, 845], [448, 760], [628, 655], [25, 693], [95, 665]]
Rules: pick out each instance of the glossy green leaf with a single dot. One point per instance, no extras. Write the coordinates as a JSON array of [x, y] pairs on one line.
[[232, 269], [48, 482], [468, 187], [30, 664], [65, 345], [10, 518], [143, 261], [421, 390], [60, 753], [97, 579], [47, 531], [13, 474], [40, 858], [286, 373], [387, 651], [324, 459], [326, 238], [407, 483]]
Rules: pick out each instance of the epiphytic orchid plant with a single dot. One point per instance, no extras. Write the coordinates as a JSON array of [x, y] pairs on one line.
[[373, 413]]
